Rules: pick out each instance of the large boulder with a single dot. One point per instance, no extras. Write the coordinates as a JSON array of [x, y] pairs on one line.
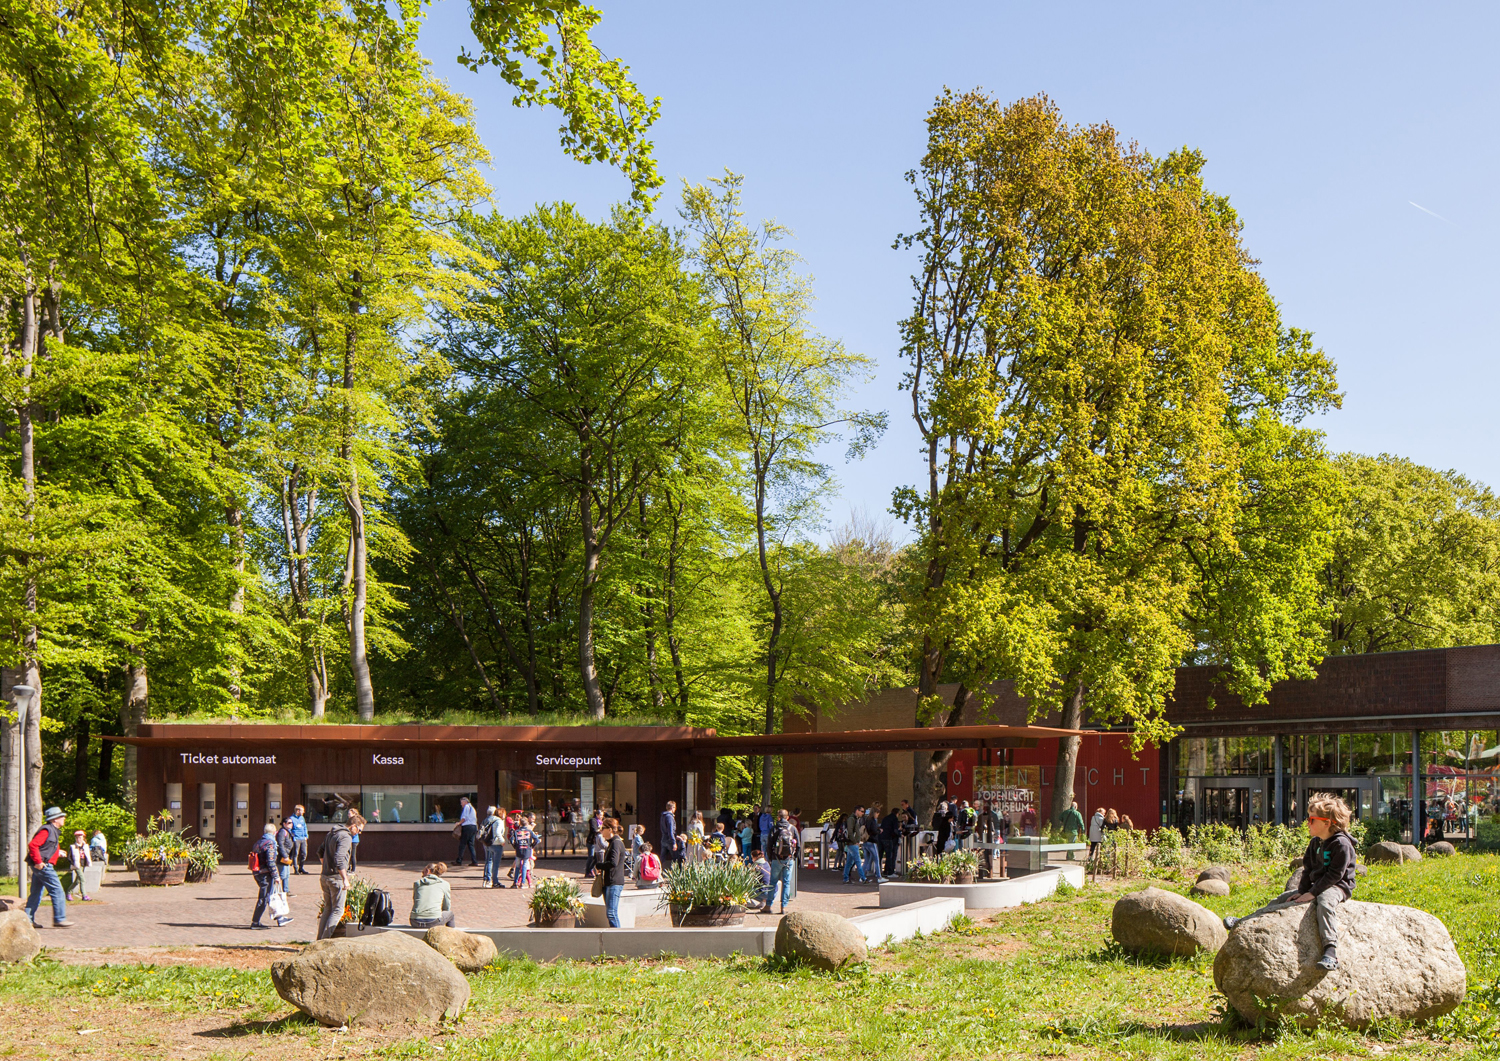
[[464, 949], [1410, 853], [1210, 886], [1223, 873], [1441, 847], [1162, 922], [19, 939], [1393, 962], [824, 941], [379, 978], [1385, 851]]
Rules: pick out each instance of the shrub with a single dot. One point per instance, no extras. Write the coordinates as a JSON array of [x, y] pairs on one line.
[[555, 895], [1217, 843], [1380, 830], [1487, 835], [711, 882], [962, 861], [931, 870], [157, 847], [116, 822], [1167, 849]]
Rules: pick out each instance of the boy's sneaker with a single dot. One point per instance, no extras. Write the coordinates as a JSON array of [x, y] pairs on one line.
[[1230, 922], [1329, 962]]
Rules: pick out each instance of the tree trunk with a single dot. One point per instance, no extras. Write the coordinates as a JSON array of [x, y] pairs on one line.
[[927, 777], [234, 517], [1067, 754], [356, 577], [134, 709], [588, 672], [81, 737], [669, 611]]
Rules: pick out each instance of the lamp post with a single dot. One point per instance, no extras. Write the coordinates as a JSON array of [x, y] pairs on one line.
[[21, 695]]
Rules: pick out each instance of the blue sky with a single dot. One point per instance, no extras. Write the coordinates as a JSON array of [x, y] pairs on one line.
[[1323, 123]]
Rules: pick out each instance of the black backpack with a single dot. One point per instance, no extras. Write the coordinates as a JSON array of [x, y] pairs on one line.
[[781, 844], [378, 909]]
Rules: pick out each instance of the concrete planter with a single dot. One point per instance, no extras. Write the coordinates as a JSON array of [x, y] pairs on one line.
[[708, 916]]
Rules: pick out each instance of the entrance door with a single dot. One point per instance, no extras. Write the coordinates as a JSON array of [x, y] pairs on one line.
[[1360, 793], [1237, 801]]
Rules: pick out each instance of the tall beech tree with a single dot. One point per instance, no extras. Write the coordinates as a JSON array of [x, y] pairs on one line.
[[783, 383], [596, 329], [1091, 358]]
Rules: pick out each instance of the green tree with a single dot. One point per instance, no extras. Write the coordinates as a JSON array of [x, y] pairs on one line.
[[782, 382], [1415, 560], [1091, 352]]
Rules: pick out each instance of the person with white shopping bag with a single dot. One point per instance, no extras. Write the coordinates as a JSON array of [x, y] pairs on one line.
[[262, 865]]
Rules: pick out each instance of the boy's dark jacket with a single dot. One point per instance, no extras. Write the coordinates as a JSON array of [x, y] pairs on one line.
[[1329, 864]]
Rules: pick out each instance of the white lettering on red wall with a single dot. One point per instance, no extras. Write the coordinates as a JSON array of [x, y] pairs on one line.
[[199, 759]]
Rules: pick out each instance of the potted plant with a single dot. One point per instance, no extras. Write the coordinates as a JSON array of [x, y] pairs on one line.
[[556, 903], [962, 865], [161, 856], [930, 870], [709, 894], [203, 857]]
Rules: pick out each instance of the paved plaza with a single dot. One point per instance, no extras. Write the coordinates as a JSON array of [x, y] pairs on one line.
[[125, 914]]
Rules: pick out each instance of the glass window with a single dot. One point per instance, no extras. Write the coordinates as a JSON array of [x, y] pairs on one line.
[[391, 804], [440, 802], [329, 803]]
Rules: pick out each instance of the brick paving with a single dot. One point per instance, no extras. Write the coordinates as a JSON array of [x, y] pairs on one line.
[[217, 914]]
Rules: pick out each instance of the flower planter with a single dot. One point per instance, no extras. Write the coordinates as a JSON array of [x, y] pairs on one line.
[[198, 875], [707, 916], [158, 874], [563, 920], [963, 878]]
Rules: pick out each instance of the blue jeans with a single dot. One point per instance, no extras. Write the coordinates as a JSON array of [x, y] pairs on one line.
[[286, 877], [871, 854], [263, 881], [781, 876], [852, 862], [493, 856], [612, 903], [46, 877]]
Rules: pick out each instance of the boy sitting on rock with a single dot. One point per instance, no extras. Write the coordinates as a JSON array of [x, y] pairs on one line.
[[1327, 875]]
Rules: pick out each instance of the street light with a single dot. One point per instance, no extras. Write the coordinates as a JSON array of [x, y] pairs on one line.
[[21, 695]]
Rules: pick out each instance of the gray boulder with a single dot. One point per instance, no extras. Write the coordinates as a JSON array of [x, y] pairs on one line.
[[1222, 873], [1385, 851], [379, 978], [1394, 962], [1162, 922], [1442, 847], [19, 939], [824, 941], [464, 949], [1410, 854], [1210, 886]]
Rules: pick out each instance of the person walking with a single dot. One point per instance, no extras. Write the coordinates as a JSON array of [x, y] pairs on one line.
[[79, 861], [786, 845], [890, 833], [612, 869], [299, 834], [1071, 822], [669, 834], [1096, 832], [468, 831], [335, 876], [853, 841], [989, 833], [964, 819], [431, 898], [870, 849], [492, 835], [942, 824], [286, 853], [41, 856], [524, 838], [763, 823], [266, 876]]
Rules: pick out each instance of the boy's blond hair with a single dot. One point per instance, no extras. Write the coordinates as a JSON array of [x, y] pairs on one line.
[[1327, 805]]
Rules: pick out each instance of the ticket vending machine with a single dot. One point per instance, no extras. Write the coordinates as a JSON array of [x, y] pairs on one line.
[[241, 809], [174, 806], [206, 813], [273, 804]]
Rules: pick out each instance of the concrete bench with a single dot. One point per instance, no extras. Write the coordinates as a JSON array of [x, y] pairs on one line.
[[986, 895]]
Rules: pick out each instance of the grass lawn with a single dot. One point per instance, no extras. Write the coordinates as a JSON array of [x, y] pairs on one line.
[[1042, 981]]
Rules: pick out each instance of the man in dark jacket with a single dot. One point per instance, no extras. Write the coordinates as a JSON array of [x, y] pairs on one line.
[[890, 831], [267, 856], [668, 848], [1326, 877], [286, 855], [41, 856]]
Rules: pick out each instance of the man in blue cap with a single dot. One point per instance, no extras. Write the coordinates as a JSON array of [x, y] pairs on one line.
[[41, 856]]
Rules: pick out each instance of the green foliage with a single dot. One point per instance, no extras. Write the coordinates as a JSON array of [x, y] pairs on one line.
[[1168, 851], [116, 822], [1217, 843], [1487, 835], [1265, 842], [709, 882], [203, 855]]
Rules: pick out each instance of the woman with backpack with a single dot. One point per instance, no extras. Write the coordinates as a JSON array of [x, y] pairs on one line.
[[492, 836], [523, 838], [649, 874], [431, 898]]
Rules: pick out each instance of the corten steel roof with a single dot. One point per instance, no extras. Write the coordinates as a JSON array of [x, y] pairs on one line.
[[688, 738]]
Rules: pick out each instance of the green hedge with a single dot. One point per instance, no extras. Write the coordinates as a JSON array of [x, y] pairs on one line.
[[117, 822]]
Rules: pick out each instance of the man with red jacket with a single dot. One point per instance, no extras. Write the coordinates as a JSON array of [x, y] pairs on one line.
[[41, 856]]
